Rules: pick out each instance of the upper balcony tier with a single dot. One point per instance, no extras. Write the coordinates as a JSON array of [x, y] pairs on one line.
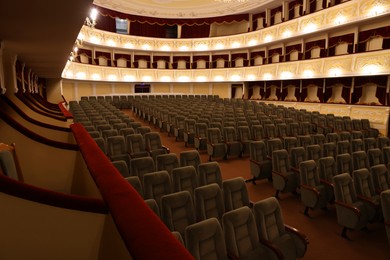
[[338, 17]]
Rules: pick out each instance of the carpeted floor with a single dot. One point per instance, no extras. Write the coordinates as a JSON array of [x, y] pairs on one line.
[[321, 229]]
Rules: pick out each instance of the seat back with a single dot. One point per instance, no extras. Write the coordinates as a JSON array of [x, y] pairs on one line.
[[190, 158], [280, 161], [122, 167], [244, 133], [214, 135], [381, 177], [385, 202], [116, 145], [374, 156], [290, 142], [363, 181], [235, 193], [205, 240], [269, 220], [360, 160], [177, 211], [308, 173], [304, 140], [332, 137], [344, 163], [135, 144], [156, 185], [152, 141], [357, 145], [314, 152], [329, 149], [209, 172], [273, 145], [298, 155], [257, 132], [7, 164], [201, 130], [327, 168], [240, 232], [343, 146], [167, 162], [140, 166], [209, 202], [136, 183], [258, 151], [184, 178], [344, 189]]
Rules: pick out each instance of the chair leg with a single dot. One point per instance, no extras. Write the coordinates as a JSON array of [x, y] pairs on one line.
[[253, 180], [277, 194], [344, 234], [210, 158], [307, 212]]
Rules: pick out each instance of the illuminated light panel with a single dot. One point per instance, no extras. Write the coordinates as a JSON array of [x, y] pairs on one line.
[[93, 14], [111, 77], [268, 38], [81, 75], [146, 47], [219, 46], [286, 75], [146, 78], [183, 48], [75, 49], [111, 43], [69, 74], [202, 47], [377, 9], [251, 77], [235, 78], [236, 45], [95, 76], [308, 73], [94, 40], [310, 28], [80, 36], [129, 78], [165, 78], [287, 33], [201, 78], [129, 45], [267, 76], [340, 19], [371, 69], [183, 79], [219, 78], [165, 48], [335, 72], [252, 42]]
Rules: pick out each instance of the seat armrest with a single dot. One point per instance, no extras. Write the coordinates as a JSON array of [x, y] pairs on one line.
[[166, 148], [314, 190], [327, 183], [387, 223], [232, 256], [273, 248], [296, 170], [257, 162], [350, 207], [298, 233], [368, 200], [279, 174]]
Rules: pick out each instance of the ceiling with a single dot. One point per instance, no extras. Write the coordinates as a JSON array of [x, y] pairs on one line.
[[185, 8], [42, 33]]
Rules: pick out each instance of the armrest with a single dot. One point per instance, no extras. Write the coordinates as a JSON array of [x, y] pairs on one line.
[[350, 207], [296, 232], [232, 256], [387, 223], [269, 157], [314, 190], [166, 148], [257, 162], [328, 183], [368, 200], [279, 174], [296, 170], [273, 248]]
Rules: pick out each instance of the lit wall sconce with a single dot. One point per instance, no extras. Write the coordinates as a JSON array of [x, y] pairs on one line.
[[236, 45], [91, 20], [201, 79], [146, 47], [252, 42], [340, 20], [308, 73], [111, 43], [165, 79], [129, 45], [311, 27], [96, 76], [202, 47], [165, 48], [81, 75], [287, 33], [251, 77], [268, 38], [147, 78], [183, 48], [129, 78], [334, 72], [219, 46], [219, 78], [371, 69], [267, 76], [111, 77], [183, 79], [235, 78]]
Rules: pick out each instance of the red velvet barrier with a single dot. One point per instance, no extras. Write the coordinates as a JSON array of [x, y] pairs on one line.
[[56, 199], [144, 234], [65, 111]]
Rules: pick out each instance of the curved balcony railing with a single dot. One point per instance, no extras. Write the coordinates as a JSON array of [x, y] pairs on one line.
[[348, 13]]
